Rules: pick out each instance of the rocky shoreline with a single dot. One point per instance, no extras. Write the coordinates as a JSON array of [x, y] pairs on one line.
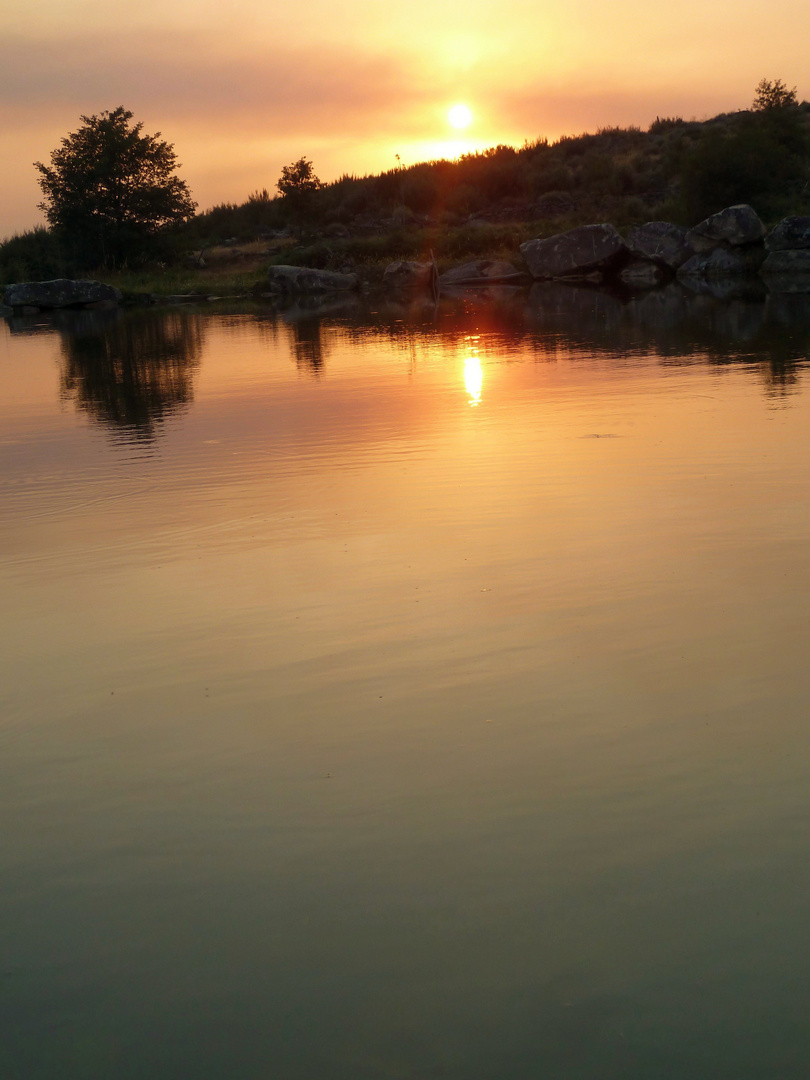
[[725, 254]]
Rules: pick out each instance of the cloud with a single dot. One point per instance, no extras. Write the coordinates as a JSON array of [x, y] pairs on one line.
[[188, 77]]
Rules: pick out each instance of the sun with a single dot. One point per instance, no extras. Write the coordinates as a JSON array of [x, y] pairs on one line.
[[460, 116]]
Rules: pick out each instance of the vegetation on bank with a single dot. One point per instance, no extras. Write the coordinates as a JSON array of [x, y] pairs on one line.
[[484, 204]]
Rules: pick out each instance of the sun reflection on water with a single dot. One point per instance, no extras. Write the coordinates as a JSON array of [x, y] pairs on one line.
[[473, 373]]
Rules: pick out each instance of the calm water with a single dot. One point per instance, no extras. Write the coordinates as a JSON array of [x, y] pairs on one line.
[[398, 692]]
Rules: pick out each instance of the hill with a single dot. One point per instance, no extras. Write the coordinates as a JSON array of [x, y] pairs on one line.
[[487, 203]]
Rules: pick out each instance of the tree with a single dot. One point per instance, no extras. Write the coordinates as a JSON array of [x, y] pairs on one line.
[[761, 158], [298, 184], [109, 190], [773, 95]]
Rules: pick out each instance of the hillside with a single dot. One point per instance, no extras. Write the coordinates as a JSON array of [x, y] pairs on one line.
[[487, 203]]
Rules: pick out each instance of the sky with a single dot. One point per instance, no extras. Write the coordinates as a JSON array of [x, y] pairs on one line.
[[243, 88]]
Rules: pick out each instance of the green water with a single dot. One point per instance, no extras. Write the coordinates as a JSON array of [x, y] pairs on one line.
[[406, 692]]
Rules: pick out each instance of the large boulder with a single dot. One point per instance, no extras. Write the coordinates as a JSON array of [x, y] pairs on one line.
[[63, 292], [736, 225], [481, 272], [575, 253], [791, 234], [723, 262], [406, 274], [302, 279], [660, 241]]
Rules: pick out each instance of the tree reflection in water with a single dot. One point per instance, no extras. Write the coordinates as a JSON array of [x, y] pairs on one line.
[[307, 343], [130, 370]]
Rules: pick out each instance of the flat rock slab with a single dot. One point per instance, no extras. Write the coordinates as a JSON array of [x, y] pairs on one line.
[[302, 279], [660, 241], [62, 292], [481, 272], [575, 253], [791, 234], [408, 274], [736, 225]]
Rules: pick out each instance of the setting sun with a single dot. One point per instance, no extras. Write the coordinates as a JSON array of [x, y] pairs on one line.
[[460, 116]]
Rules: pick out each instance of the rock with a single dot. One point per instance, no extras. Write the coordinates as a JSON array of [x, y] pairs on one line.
[[736, 225], [186, 298], [574, 253], [63, 292], [786, 262], [791, 234], [480, 272], [661, 241], [643, 274], [6, 312], [406, 274], [302, 279], [787, 271], [723, 262]]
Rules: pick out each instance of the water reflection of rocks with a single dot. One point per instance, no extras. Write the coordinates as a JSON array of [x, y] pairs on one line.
[[130, 370], [769, 330]]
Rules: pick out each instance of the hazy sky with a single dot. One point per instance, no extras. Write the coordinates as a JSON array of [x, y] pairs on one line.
[[246, 87]]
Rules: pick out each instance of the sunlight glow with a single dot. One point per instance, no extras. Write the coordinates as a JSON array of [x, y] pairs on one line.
[[473, 373], [460, 116]]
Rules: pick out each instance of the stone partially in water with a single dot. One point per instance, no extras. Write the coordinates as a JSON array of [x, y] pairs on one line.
[[786, 262], [408, 274], [62, 292], [574, 253], [480, 272], [723, 262], [787, 271], [791, 234], [643, 274], [303, 279]]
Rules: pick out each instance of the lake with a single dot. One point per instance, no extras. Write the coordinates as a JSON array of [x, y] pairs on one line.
[[401, 691]]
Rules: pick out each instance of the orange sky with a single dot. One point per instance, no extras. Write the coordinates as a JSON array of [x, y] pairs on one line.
[[244, 89]]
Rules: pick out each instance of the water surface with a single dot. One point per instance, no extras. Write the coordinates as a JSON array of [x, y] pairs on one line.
[[404, 691]]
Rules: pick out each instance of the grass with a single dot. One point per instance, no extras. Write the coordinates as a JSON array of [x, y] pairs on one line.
[[242, 268]]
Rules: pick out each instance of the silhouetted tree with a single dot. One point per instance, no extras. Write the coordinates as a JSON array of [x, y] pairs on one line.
[[109, 189], [298, 184], [773, 95]]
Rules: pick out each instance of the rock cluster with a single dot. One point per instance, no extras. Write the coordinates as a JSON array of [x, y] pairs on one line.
[[730, 246]]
